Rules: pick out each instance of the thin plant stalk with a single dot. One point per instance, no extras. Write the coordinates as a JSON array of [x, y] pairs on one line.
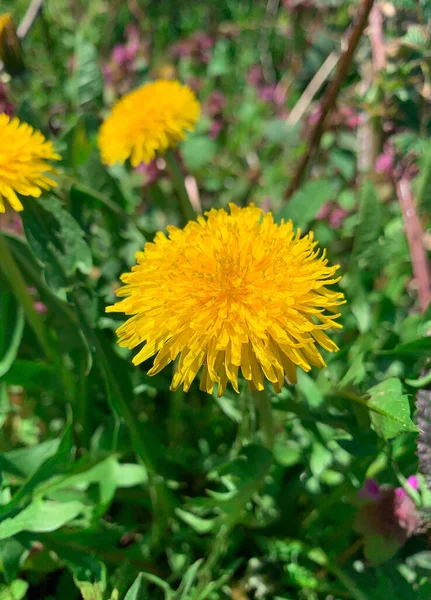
[[266, 421], [19, 288], [187, 210]]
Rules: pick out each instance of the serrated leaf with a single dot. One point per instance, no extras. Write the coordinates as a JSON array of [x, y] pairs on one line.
[[389, 409], [198, 524], [187, 582], [56, 240], [416, 37], [304, 205], [86, 83], [365, 247]]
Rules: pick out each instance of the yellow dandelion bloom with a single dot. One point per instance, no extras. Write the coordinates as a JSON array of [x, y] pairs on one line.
[[230, 291], [5, 21], [147, 122], [23, 156]]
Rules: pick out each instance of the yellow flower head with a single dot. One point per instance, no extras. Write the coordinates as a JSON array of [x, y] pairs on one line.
[[23, 155], [227, 292], [148, 121], [5, 21]]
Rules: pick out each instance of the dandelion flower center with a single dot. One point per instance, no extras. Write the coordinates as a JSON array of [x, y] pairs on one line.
[[147, 122], [228, 292], [23, 162]]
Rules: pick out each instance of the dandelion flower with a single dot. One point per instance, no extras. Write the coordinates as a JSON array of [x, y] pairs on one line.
[[23, 156], [228, 292], [10, 46], [5, 21], [147, 122]]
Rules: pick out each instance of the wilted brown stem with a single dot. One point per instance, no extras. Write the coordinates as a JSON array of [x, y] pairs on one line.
[[414, 234], [29, 18], [331, 94], [377, 40]]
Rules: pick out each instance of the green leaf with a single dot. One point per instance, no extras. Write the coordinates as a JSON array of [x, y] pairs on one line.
[[108, 473], [41, 516], [309, 388], [11, 330], [30, 375], [246, 472], [198, 524], [304, 205], [389, 409], [25, 461], [56, 240], [11, 553], [86, 84], [54, 465], [90, 578], [89, 591], [188, 580], [416, 38], [136, 592], [417, 348], [422, 183], [365, 246], [15, 591], [198, 151]]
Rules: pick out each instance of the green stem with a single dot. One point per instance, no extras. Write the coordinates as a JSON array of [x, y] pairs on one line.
[[347, 581], [264, 409], [421, 382], [188, 212], [161, 497], [19, 289]]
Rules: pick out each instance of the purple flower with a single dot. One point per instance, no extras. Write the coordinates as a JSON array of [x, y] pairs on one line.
[[198, 47], [150, 170], [370, 491], [315, 116], [119, 55], [255, 75], [412, 481], [40, 307], [386, 518], [337, 217], [215, 103], [5, 106], [384, 163], [266, 92], [215, 128]]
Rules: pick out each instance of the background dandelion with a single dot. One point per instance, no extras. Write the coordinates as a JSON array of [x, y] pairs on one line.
[[24, 166]]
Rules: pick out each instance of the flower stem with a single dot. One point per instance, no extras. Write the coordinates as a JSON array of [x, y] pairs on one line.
[[187, 210], [264, 409], [20, 291]]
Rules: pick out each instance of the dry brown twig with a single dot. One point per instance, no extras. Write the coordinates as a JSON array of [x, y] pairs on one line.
[[414, 232], [29, 18], [331, 95], [312, 88]]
